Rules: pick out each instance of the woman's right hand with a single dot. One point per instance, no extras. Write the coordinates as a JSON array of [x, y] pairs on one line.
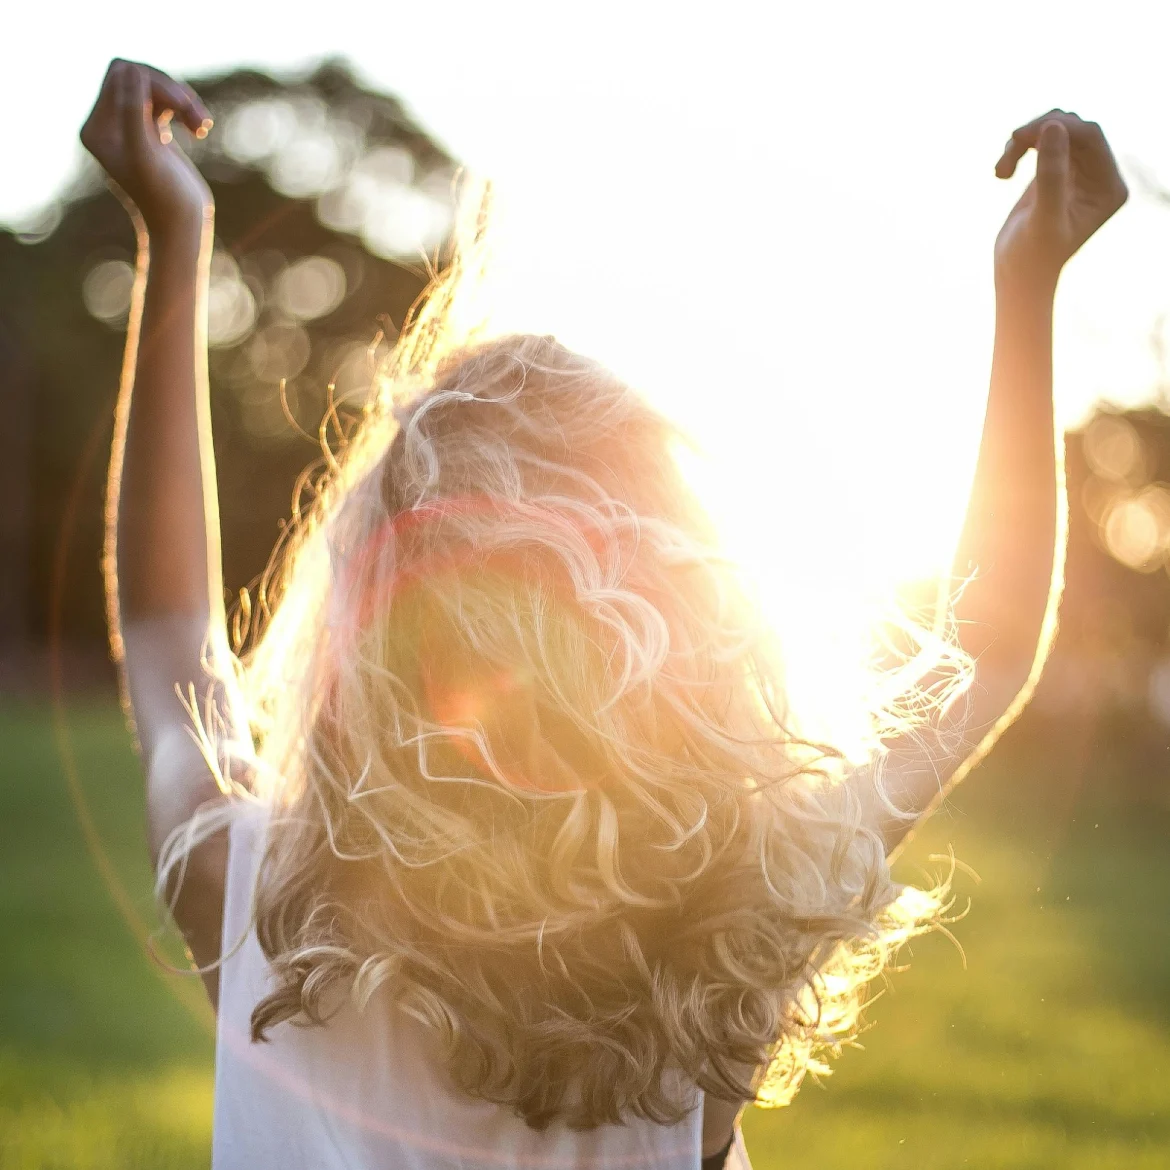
[[1077, 187], [128, 132]]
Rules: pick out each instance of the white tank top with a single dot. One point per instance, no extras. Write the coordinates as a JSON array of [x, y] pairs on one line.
[[366, 1092]]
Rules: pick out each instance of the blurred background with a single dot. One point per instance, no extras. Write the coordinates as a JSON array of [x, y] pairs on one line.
[[779, 227]]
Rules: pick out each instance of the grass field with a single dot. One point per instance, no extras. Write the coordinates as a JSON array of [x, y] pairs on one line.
[[1050, 1049]]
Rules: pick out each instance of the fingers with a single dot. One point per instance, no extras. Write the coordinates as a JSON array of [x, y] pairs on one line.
[[1027, 137], [1021, 141], [163, 95], [1053, 151], [167, 94]]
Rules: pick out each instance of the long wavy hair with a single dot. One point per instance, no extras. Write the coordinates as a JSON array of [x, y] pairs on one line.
[[523, 731]]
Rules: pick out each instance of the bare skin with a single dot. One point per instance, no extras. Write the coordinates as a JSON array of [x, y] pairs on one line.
[[166, 588]]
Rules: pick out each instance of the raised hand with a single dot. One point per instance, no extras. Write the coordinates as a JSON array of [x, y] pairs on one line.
[[1076, 189], [129, 133]]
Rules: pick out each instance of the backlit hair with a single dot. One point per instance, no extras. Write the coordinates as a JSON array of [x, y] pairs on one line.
[[524, 733]]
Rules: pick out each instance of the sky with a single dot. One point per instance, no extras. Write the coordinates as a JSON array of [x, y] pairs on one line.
[[777, 220]]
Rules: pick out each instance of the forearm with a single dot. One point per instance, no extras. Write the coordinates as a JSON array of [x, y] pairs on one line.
[[1006, 551], [1009, 563], [164, 578], [162, 505]]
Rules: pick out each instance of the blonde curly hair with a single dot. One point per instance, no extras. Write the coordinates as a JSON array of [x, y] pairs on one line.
[[530, 762]]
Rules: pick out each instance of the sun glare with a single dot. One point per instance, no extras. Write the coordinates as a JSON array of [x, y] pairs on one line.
[[832, 483], [828, 574]]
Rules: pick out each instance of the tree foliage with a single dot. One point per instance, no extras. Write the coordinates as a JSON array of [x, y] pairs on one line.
[[330, 202]]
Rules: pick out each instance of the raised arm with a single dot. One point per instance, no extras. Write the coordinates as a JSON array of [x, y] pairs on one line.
[[1011, 551], [163, 575]]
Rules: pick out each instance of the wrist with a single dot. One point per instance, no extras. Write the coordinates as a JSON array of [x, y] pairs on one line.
[[181, 234], [1035, 282]]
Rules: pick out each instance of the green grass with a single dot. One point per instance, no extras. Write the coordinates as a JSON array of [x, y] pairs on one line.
[[1051, 1048], [101, 1064]]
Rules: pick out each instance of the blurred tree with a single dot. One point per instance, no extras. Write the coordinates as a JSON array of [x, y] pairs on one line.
[[329, 200], [1118, 468], [1103, 706]]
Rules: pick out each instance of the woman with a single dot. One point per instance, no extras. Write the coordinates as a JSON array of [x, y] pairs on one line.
[[498, 850]]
